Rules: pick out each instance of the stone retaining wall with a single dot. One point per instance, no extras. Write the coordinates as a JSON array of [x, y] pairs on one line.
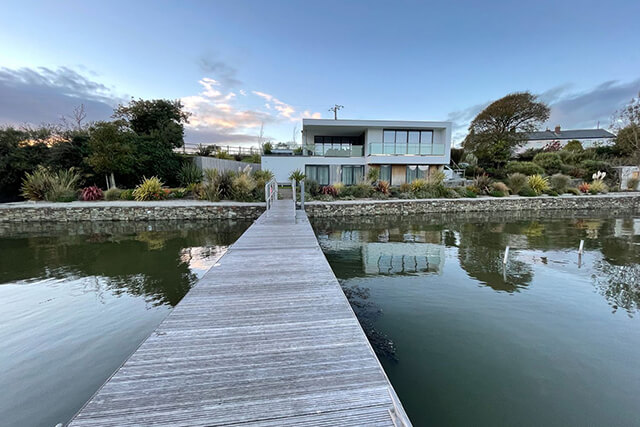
[[611, 203], [104, 212], [193, 210]]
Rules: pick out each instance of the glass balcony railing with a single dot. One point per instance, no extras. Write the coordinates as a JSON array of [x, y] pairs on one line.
[[409, 149], [328, 151]]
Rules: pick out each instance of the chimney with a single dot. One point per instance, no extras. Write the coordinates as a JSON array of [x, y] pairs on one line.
[[557, 130]]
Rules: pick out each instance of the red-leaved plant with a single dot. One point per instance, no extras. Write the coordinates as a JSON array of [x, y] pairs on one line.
[[92, 193], [584, 187], [330, 190]]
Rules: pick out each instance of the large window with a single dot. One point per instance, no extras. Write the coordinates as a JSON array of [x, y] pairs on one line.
[[414, 142], [337, 146], [385, 173], [319, 174], [417, 171], [352, 175]]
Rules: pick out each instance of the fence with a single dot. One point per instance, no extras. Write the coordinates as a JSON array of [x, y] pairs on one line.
[[232, 150], [223, 165]]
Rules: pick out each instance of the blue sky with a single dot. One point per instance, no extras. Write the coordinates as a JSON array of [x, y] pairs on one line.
[[239, 64]]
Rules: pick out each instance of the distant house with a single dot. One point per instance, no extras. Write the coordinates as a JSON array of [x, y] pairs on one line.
[[344, 150], [587, 137]]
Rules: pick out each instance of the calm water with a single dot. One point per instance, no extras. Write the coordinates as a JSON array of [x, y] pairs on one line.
[[76, 300], [548, 342]]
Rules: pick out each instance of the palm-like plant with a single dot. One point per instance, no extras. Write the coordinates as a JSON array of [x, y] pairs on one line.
[[297, 175]]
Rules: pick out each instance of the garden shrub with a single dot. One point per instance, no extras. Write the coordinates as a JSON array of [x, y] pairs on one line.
[[598, 186], [574, 145], [538, 184], [436, 178], [189, 174], [584, 187], [113, 193], [466, 192], [559, 183], [550, 162], [382, 187], [593, 166], [312, 187], [361, 190], [242, 187], [127, 195], [526, 168], [578, 172], [373, 175], [224, 155], [297, 176], [551, 192], [496, 193], [43, 184], [406, 195], [338, 186], [632, 184], [482, 183], [500, 187], [263, 174], [517, 181], [452, 194], [92, 193], [178, 193], [527, 191], [405, 187], [329, 190], [149, 189], [574, 191]]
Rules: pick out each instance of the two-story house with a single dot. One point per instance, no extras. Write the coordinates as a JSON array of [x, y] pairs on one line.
[[343, 151]]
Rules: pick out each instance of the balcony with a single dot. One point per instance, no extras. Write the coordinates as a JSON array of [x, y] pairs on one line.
[[405, 149], [345, 150]]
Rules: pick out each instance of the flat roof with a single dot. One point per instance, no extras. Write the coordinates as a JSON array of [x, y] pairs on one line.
[[375, 123]]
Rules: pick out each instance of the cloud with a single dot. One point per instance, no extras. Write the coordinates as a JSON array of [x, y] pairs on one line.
[[586, 108], [44, 95], [219, 118], [224, 72], [569, 108]]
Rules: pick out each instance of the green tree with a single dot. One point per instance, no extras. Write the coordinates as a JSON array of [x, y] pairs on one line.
[[21, 150], [161, 119], [159, 124], [502, 127], [626, 122], [112, 149]]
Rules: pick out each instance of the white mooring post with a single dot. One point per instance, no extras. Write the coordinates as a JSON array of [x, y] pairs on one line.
[[581, 248], [302, 195], [506, 256]]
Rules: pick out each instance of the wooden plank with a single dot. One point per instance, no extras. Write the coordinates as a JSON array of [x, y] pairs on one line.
[[265, 338]]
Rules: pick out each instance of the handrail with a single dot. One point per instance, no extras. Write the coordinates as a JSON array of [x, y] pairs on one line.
[[293, 191], [270, 192]]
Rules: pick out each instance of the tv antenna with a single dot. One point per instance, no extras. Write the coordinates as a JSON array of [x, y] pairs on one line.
[[335, 110]]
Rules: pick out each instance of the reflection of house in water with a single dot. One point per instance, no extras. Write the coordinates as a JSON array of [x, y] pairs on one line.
[[384, 255], [627, 227]]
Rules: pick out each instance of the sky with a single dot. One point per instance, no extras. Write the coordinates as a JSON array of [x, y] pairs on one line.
[[239, 66]]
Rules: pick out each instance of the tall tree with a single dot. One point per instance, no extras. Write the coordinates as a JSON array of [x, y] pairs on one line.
[[626, 122], [502, 127], [161, 119], [112, 149]]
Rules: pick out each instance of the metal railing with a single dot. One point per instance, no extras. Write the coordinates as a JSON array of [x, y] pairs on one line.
[[270, 192], [406, 149]]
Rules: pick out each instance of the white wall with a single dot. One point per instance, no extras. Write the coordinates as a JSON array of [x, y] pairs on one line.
[[282, 166]]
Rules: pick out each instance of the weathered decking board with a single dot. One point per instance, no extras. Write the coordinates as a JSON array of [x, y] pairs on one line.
[[266, 338]]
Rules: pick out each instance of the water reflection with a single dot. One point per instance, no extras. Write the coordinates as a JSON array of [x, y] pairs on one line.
[[159, 261], [419, 245]]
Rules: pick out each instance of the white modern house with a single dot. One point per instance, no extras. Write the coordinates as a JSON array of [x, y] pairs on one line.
[[343, 151], [587, 137]]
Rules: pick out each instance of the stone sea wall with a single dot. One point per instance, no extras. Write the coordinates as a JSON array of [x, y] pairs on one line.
[[194, 210], [613, 203], [114, 211]]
